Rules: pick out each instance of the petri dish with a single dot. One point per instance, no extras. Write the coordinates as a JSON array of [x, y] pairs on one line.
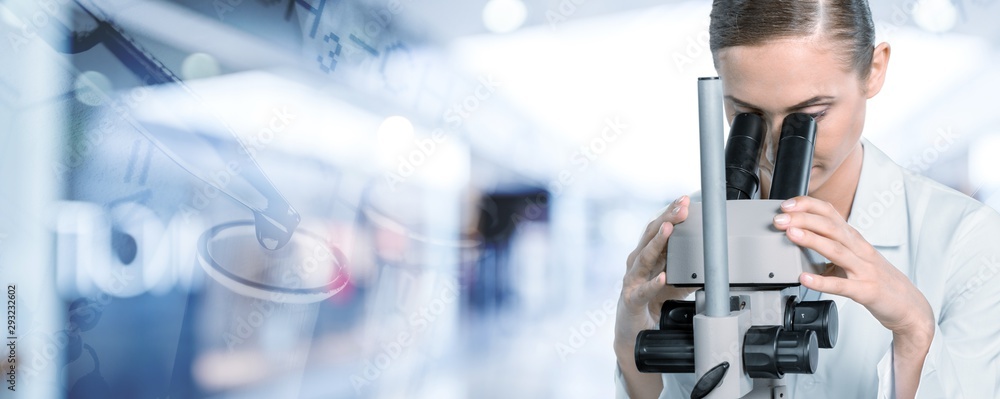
[[308, 269]]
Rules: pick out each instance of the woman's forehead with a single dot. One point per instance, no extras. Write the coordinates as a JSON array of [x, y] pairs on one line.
[[781, 73]]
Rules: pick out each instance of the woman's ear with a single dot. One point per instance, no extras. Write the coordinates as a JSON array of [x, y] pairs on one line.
[[880, 62]]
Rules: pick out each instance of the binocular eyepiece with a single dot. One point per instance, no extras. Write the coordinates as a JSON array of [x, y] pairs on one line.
[[792, 163], [746, 139]]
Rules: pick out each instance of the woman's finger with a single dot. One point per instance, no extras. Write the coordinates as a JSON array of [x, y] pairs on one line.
[[833, 250], [641, 296], [674, 213], [810, 205], [820, 217], [652, 254], [830, 284], [834, 229]]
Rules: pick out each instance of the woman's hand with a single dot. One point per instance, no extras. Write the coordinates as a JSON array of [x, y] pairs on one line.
[[644, 290], [861, 273]]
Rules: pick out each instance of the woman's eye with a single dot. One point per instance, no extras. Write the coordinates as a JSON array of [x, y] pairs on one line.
[[818, 115]]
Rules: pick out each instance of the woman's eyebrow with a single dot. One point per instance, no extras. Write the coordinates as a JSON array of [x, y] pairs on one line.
[[796, 107]]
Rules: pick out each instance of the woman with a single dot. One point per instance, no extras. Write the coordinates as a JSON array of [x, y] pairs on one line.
[[912, 263]]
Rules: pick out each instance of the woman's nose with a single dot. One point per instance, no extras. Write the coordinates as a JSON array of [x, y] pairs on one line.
[[770, 149]]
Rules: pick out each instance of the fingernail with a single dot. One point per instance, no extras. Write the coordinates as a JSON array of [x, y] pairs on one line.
[[795, 232], [788, 204], [782, 218], [678, 200], [808, 278], [675, 211]]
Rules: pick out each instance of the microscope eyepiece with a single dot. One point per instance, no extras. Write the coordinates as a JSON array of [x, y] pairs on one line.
[[746, 139], [793, 162]]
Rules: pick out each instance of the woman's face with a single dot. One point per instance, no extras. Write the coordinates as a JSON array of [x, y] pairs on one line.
[[807, 75]]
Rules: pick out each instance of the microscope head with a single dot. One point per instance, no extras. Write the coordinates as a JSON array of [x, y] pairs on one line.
[[760, 255]]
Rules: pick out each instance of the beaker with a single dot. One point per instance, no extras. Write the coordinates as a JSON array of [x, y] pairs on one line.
[[308, 269]]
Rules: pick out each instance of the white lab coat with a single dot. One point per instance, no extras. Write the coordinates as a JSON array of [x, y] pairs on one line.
[[949, 246]]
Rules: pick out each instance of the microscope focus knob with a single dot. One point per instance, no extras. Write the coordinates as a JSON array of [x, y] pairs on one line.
[[818, 316], [677, 315], [771, 351], [660, 351]]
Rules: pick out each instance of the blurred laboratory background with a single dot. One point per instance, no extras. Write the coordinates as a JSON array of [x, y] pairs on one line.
[[381, 198]]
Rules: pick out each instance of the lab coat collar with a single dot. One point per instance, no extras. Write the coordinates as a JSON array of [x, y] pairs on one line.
[[879, 208]]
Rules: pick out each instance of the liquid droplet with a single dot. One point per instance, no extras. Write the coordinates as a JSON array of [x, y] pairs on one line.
[[269, 243], [273, 234]]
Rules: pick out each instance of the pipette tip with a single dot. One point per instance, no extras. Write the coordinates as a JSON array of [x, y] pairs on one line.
[[273, 234]]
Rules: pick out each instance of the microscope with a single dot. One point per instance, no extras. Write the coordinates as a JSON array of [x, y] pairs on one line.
[[746, 327]]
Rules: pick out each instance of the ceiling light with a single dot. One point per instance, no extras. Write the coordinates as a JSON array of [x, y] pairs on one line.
[[502, 16], [937, 16]]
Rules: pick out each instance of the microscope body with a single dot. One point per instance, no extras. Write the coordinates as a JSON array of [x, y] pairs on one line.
[[768, 333], [733, 251]]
